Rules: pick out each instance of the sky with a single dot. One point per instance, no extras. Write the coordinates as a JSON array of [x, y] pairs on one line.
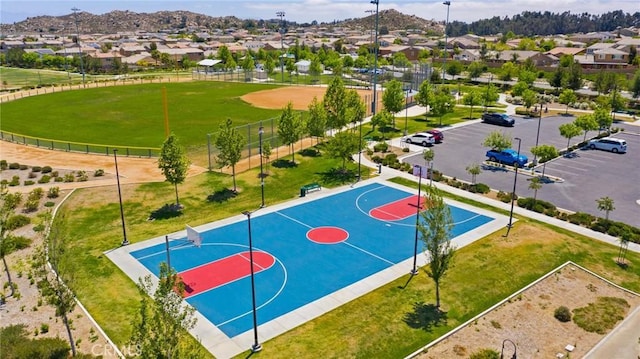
[[321, 10]]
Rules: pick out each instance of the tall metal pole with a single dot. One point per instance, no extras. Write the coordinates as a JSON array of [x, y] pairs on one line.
[[256, 347], [513, 193], [260, 133], [446, 24], [535, 157], [375, 63], [280, 14], [414, 271], [406, 111], [124, 230], [371, 11], [486, 97], [75, 15], [360, 153]]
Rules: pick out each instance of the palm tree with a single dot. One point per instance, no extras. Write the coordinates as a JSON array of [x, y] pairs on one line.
[[535, 184]]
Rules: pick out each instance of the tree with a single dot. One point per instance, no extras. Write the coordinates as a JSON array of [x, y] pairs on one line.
[[315, 68], [606, 204], [160, 327], [229, 143], [543, 154], [269, 65], [497, 140], [527, 77], [603, 118], [443, 102], [60, 280], [317, 120], [519, 88], [382, 120], [248, 65], [334, 103], [472, 98], [507, 71], [556, 78], [586, 123], [174, 163], [355, 108], [342, 146], [535, 184], [529, 97], [474, 170], [573, 79], [569, 131], [454, 68], [567, 97], [290, 128], [424, 95], [435, 232], [634, 85], [490, 95], [475, 69], [625, 238], [393, 96]]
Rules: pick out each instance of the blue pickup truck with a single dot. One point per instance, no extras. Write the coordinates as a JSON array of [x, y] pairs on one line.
[[507, 156]]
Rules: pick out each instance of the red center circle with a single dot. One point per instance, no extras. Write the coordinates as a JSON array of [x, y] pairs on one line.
[[327, 235]]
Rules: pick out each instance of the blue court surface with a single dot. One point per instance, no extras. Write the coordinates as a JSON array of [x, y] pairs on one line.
[[304, 270]]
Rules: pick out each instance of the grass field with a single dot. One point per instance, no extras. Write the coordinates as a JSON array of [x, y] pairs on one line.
[[378, 324], [12, 77], [133, 115]]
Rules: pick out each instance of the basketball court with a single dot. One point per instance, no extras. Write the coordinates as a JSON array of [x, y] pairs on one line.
[[310, 255]]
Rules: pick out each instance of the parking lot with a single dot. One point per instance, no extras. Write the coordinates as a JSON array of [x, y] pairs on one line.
[[588, 175]]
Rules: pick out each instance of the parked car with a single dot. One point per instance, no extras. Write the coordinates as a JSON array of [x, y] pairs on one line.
[[438, 136], [501, 119], [612, 144], [421, 138], [508, 156]]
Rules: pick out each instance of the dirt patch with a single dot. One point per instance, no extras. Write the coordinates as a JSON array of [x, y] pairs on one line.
[[528, 320], [300, 97]]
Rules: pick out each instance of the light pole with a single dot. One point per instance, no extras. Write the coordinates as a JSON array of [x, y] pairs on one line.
[[280, 14], [375, 62], [360, 153], [486, 97], [256, 347], [414, 271], [444, 59], [260, 133], [515, 349], [124, 230], [371, 11], [535, 156], [406, 110], [513, 193], [75, 15]]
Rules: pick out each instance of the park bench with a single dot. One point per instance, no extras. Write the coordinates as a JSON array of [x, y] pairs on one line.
[[309, 188]]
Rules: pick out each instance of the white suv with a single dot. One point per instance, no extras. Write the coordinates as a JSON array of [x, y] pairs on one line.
[[421, 138], [615, 145]]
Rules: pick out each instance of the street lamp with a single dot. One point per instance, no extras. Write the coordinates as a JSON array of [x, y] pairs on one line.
[[515, 349], [260, 133], [371, 11], [513, 193], [124, 230], [360, 153], [280, 14], [414, 271], [446, 24], [375, 62], [256, 347], [535, 156], [75, 15], [406, 110]]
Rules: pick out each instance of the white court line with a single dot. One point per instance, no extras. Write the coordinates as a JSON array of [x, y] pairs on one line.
[[468, 219], [295, 220], [369, 253], [385, 212]]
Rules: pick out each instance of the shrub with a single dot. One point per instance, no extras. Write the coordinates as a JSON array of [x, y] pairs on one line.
[[601, 316], [17, 243], [581, 218], [12, 200], [381, 147], [390, 159], [505, 197], [31, 205], [82, 176], [44, 179], [28, 182], [46, 169], [44, 328], [69, 177], [98, 173], [480, 188], [33, 175], [15, 181], [376, 159], [53, 192], [36, 169], [3, 165], [562, 313], [37, 193], [24, 167], [406, 149], [16, 221], [53, 173], [49, 204], [14, 166], [485, 354]]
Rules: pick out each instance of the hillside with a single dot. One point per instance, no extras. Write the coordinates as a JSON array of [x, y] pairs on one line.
[[394, 20]]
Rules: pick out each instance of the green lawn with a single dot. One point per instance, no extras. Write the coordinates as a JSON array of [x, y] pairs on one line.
[[12, 77], [382, 324], [133, 115]]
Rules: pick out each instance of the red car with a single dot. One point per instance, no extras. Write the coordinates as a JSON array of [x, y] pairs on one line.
[[437, 135]]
